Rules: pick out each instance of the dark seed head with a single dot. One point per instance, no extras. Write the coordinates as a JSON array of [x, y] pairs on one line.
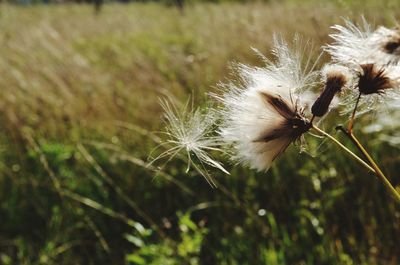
[[333, 85], [278, 104], [392, 47], [392, 43], [299, 125], [373, 80], [294, 123]]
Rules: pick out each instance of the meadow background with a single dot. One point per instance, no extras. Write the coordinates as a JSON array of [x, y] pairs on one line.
[[79, 115]]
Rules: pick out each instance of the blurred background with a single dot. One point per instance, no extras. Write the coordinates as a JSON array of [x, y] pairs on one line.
[[80, 84]]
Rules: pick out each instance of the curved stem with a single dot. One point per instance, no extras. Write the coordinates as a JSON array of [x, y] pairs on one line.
[[378, 171], [351, 122], [362, 162]]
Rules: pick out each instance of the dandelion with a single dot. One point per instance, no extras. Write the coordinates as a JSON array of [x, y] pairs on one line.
[[264, 114], [191, 133]]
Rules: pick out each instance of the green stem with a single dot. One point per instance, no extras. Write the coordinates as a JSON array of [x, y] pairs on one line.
[[378, 171], [362, 162]]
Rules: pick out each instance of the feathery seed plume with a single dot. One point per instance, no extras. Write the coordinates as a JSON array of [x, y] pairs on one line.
[[192, 133], [373, 84], [361, 45], [265, 113], [372, 57]]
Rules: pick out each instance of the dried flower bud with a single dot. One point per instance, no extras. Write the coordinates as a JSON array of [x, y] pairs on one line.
[[335, 79], [373, 80]]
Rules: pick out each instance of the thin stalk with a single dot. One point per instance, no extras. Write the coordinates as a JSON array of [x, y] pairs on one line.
[[351, 122], [362, 162], [312, 119], [378, 171]]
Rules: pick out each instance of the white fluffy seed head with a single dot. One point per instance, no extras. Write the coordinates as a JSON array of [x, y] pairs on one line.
[[191, 132], [370, 102], [350, 43], [254, 128], [387, 43], [355, 46], [361, 45]]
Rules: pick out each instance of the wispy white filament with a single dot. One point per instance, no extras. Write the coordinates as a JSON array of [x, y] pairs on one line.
[[354, 44], [371, 102], [351, 43], [191, 132]]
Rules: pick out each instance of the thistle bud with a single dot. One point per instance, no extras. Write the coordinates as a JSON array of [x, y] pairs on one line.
[[373, 79], [335, 77]]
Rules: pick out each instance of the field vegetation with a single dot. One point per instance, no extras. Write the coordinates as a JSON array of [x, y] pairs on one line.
[[79, 116]]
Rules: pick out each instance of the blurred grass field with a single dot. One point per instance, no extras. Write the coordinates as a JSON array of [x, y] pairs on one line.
[[78, 111]]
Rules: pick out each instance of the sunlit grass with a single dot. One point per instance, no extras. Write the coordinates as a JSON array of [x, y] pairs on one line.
[[78, 107]]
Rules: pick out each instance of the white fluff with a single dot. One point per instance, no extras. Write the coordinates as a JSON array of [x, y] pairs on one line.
[[351, 43], [356, 45], [193, 134], [370, 102], [336, 70], [246, 117], [379, 38], [360, 45]]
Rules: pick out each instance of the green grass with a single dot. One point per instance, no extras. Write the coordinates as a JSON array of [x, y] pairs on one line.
[[78, 105]]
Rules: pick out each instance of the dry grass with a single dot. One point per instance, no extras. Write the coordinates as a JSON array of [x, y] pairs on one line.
[[79, 95], [64, 68]]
